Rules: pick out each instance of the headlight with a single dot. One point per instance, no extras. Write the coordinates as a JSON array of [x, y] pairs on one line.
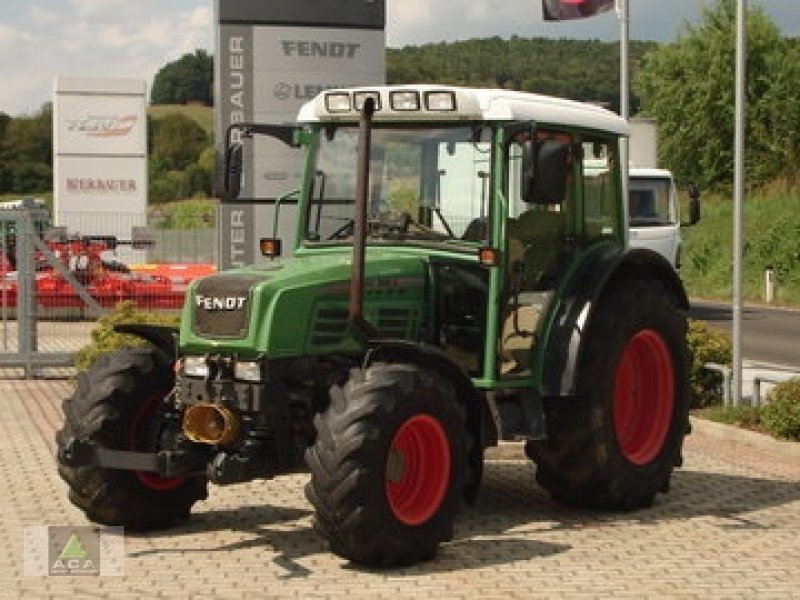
[[440, 101], [195, 366], [337, 102], [404, 100], [247, 371], [360, 97]]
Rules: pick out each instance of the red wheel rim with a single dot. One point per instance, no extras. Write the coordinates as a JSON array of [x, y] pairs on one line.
[[644, 397], [150, 480], [418, 469]]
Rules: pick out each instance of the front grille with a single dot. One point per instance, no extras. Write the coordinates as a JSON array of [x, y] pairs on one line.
[[221, 305], [330, 324], [394, 322]]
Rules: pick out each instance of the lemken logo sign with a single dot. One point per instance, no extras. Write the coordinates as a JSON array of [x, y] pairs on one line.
[[300, 91], [103, 125], [220, 303]]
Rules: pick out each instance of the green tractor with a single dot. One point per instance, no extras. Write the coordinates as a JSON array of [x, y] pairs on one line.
[[457, 278]]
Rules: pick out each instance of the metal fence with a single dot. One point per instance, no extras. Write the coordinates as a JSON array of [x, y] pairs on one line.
[[167, 245], [54, 283], [184, 246]]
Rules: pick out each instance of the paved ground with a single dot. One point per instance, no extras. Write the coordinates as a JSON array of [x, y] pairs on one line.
[[730, 528]]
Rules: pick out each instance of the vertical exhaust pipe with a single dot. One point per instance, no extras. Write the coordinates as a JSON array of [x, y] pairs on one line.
[[356, 307]]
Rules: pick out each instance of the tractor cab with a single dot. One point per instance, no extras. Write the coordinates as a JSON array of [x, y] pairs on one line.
[[484, 188]]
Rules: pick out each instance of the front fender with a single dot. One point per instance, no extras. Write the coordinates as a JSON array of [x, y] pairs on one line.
[[480, 424], [162, 337]]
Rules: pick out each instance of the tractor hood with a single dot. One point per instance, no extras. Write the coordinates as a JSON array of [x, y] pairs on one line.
[[300, 306]]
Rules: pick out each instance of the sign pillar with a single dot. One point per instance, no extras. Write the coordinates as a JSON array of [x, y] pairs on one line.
[[272, 57]]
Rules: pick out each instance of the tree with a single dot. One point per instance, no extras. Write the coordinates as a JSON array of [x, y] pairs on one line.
[[26, 152], [188, 79], [688, 85], [177, 141], [4, 120], [181, 159], [579, 69], [778, 119]]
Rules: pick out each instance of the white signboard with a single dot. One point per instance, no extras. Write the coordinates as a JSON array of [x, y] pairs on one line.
[[100, 157]]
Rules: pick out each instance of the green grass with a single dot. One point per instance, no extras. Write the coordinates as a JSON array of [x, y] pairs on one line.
[[746, 417], [192, 213], [204, 115], [771, 239]]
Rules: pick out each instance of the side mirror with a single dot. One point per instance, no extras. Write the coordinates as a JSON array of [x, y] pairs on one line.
[[528, 175], [233, 170], [545, 167], [694, 204]]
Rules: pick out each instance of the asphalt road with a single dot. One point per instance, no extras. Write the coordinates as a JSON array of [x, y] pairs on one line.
[[770, 335]]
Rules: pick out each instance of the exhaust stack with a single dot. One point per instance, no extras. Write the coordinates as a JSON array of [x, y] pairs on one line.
[[356, 307]]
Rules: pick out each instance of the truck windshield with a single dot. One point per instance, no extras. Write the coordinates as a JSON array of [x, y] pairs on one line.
[[649, 201], [425, 184]]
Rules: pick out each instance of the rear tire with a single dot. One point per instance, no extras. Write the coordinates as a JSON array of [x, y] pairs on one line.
[[389, 465], [616, 444], [118, 404]]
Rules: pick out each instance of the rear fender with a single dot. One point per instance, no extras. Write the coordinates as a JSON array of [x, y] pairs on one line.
[[576, 310]]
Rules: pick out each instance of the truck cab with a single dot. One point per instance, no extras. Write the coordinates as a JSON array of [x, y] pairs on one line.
[[654, 218], [653, 213]]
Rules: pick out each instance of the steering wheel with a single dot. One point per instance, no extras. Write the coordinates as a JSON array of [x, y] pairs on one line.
[[343, 232]]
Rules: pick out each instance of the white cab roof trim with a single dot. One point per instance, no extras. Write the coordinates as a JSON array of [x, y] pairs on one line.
[[649, 172], [480, 105]]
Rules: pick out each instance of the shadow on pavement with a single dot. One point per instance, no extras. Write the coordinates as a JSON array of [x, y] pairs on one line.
[[512, 511], [510, 497], [710, 313], [720, 314]]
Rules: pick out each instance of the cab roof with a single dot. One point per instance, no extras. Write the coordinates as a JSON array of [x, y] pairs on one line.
[[469, 104]]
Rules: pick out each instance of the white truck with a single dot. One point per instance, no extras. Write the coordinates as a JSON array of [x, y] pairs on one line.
[[653, 212]]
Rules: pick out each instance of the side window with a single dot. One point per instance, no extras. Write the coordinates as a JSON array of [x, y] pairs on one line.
[[537, 247], [600, 207], [462, 188], [537, 232]]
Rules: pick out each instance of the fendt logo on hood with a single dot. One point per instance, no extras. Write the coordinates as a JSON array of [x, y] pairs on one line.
[[220, 303], [103, 125]]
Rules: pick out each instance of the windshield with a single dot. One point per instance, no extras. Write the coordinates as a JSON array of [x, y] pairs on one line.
[[429, 184], [649, 201]]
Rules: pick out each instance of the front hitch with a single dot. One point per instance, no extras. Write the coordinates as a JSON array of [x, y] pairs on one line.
[[78, 453]]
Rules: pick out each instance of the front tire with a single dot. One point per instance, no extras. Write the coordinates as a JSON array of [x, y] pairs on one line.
[[118, 404], [616, 444], [389, 465]]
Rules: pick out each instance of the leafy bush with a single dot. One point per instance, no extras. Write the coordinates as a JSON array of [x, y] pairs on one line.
[[706, 345], [105, 339], [197, 213], [781, 414]]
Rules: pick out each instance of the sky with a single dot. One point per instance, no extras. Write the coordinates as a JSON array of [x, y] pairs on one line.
[[40, 39]]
